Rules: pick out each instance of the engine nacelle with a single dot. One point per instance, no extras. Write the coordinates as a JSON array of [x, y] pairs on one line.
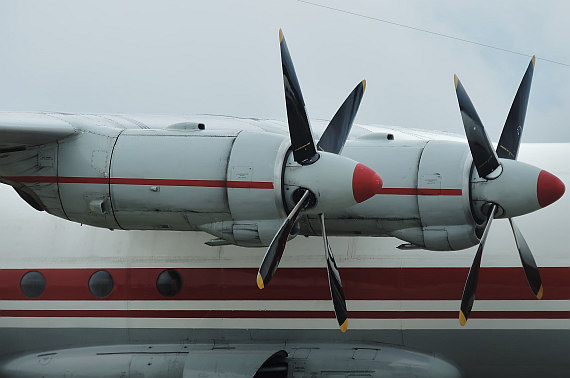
[[227, 184], [233, 185], [443, 198]]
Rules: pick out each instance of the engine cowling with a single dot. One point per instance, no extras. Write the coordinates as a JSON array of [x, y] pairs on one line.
[[444, 199], [453, 200]]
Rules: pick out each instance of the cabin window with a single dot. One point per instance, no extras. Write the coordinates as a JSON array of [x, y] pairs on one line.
[[101, 283], [169, 283], [33, 284]]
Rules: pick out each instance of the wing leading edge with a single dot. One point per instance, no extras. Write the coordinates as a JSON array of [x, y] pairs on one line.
[[21, 130]]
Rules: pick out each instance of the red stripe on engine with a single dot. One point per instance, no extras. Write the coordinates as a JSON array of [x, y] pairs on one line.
[[250, 184], [169, 182], [82, 180], [212, 184], [195, 183], [420, 192], [495, 283], [142, 181], [246, 314]]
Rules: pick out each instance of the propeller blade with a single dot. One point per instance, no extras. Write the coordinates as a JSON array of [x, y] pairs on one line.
[[277, 246], [302, 143], [337, 131], [484, 156], [527, 260], [512, 131], [470, 288], [335, 285]]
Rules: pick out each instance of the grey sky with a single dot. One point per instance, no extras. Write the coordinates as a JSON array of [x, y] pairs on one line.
[[222, 57]]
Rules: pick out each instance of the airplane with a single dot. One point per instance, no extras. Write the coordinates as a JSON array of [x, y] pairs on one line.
[[400, 205]]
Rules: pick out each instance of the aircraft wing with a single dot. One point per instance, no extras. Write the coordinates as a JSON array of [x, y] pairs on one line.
[[20, 130]]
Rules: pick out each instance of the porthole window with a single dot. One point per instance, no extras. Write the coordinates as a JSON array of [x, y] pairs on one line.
[[169, 283], [33, 284], [101, 283]]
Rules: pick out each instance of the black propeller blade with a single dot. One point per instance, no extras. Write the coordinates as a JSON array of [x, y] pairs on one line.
[[277, 246], [302, 143], [508, 149], [484, 162], [337, 131], [512, 131], [335, 285], [305, 153], [528, 263], [484, 156], [470, 288]]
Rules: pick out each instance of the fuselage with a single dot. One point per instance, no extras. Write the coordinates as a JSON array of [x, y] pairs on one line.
[[407, 298]]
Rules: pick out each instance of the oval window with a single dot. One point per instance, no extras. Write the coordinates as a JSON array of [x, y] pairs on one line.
[[169, 283], [33, 284], [101, 283]]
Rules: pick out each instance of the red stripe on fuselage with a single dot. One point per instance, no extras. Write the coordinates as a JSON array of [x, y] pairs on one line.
[[262, 314], [496, 283]]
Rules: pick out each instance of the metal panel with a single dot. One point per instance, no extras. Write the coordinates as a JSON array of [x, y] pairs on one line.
[[256, 158], [252, 233], [149, 365], [168, 179], [231, 363], [443, 200], [83, 178], [36, 162]]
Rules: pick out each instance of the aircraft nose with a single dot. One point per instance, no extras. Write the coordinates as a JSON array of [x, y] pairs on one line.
[[365, 183], [549, 188]]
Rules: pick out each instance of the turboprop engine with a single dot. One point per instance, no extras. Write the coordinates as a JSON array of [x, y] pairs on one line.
[[452, 200], [182, 177], [505, 187]]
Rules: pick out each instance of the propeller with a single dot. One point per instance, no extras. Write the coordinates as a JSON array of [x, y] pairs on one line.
[[488, 166], [484, 157], [325, 180], [470, 288], [302, 143], [335, 285], [337, 131], [277, 246], [512, 131]]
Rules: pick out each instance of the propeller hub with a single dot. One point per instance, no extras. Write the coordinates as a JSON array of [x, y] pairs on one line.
[[549, 188], [365, 183], [519, 190], [335, 181]]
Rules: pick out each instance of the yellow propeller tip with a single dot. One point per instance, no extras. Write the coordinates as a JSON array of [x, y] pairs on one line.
[[540, 292], [455, 80], [462, 318], [280, 35], [260, 284], [363, 85], [344, 326], [533, 60]]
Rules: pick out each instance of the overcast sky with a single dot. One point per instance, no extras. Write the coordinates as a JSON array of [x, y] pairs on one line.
[[222, 57]]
